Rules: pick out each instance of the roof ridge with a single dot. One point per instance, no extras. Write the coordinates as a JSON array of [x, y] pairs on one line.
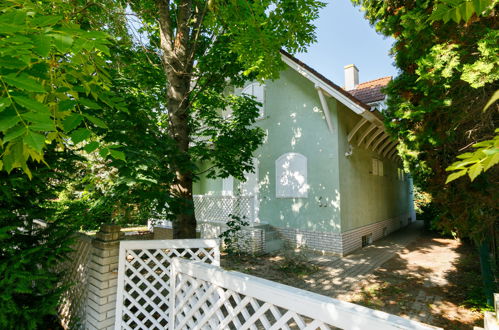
[[371, 81]]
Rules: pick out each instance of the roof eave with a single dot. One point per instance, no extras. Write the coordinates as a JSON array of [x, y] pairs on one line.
[[332, 89]]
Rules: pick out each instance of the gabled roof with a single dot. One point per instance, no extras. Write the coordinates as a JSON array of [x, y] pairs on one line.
[[332, 89], [370, 91], [325, 80]]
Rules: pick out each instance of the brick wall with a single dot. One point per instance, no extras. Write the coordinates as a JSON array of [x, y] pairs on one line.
[[321, 241], [73, 303], [352, 239], [91, 273], [343, 243]]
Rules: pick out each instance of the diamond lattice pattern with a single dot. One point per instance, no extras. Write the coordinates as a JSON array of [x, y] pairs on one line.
[[204, 305], [146, 284], [218, 208]]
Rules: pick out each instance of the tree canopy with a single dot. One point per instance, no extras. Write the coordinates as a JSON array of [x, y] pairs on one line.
[[435, 106]]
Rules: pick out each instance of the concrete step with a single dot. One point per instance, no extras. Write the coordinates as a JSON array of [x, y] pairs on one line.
[[273, 245]]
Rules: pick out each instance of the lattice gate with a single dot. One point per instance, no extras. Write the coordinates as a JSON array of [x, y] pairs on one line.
[[142, 300]]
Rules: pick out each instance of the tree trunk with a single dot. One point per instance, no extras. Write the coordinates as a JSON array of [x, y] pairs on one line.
[[177, 57]]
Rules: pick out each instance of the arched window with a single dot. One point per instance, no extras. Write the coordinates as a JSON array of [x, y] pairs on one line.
[[258, 91], [291, 176]]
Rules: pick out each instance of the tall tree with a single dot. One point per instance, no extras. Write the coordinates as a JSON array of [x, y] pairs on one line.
[[448, 72], [205, 47]]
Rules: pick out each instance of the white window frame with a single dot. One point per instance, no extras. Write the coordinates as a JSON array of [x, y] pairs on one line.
[[250, 90]]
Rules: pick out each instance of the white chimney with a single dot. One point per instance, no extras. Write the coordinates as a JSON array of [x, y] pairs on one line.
[[351, 76]]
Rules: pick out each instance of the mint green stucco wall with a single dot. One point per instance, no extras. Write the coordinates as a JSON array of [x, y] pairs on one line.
[[367, 198], [206, 186], [294, 122], [343, 194]]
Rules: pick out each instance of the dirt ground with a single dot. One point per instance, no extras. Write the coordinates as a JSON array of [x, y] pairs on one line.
[[433, 280]]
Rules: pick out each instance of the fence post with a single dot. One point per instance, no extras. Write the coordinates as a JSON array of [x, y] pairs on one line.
[[103, 274]]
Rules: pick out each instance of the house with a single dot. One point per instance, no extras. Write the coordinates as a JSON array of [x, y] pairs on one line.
[[327, 176]]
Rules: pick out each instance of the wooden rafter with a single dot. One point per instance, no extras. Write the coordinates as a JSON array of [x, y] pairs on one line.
[[374, 136], [357, 126], [389, 148], [381, 139], [366, 133]]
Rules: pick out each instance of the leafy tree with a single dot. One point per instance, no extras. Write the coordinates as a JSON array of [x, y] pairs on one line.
[[448, 73], [51, 73], [30, 254], [51, 78], [204, 48]]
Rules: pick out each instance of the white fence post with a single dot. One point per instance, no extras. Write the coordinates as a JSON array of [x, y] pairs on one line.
[[144, 278]]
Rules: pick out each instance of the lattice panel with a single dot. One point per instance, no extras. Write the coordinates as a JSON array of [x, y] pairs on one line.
[[201, 304], [73, 302], [217, 208], [144, 280]]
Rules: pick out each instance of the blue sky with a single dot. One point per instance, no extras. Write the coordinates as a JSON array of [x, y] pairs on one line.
[[345, 37]]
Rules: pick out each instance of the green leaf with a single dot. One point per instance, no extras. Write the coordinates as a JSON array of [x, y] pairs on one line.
[[465, 155], [31, 104], [104, 152], [34, 140], [24, 82], [455, 175], [4, 103], [42, 44], [475, 170], [8, 119], [66, 105], [491, 161], [117, 154], [91, 147], [89, 104], [62, 42], [492, 100], [45, 20], [477, 4], [80, 135], [14, 133], [96, 121], [72, 121]]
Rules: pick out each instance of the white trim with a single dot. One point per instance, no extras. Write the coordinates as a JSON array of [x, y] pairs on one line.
[[357, 126], [325, 108], [331, 311], [328, 89]]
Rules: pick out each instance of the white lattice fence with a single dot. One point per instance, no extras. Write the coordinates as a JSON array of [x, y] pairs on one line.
[[207, 297], [73, 302], [144, 275], [218, 208]]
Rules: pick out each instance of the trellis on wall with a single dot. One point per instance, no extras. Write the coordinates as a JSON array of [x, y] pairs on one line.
[[144, 275]]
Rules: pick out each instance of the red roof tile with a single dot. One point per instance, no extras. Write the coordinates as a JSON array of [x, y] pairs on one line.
[[370, 91]]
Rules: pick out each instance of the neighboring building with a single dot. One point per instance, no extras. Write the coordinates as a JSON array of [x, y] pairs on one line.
[[327, 176]]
